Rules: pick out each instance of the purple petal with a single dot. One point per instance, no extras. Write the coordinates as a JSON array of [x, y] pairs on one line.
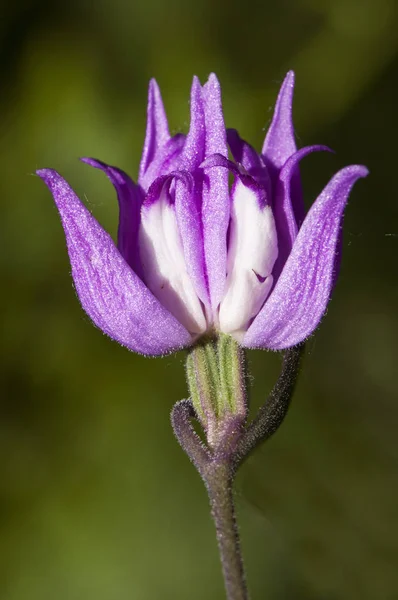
[[302, 293], [194, 148], [157, 129], [112, 295], [250, 160], [167, 159], [216, 202], [188, 201], [188, 207], [283, 209], [279, 143], [130, 198]]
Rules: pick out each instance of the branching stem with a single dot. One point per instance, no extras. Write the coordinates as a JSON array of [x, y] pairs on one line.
[[221, 408]]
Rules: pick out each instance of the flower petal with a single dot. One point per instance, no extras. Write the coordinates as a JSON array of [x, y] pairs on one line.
[[250, 160], [130, 198], [252, 253], [157, 129], [216, 202], [188, 202], [299, 299], [285, 219], [279, 142], [194, 148], [167, 159], [163, 259], [112, 295]]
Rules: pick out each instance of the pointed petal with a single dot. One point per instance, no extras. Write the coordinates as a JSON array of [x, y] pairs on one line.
[[157, 129], [285, 219], [216, 202], [163, 258], [188, 201], [250, 160], [279, 142], [193, 152], [130, 198], [251, 256], [300, 297], [112, 295]]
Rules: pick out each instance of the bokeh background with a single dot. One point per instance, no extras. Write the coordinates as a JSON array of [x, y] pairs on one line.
[[97, 501]]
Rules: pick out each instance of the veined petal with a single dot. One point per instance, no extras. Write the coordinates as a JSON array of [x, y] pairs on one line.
[[188, 202], [163, 260], [194, 148], [157, 129], [279, 142], [250, 160], [251, 256], [301, 294], [216, 202], [285, 219], [187, 209], [167, 159], [130, 198], [112, 295]]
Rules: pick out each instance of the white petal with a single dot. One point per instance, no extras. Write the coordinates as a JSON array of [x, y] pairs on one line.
[[252, 252], [164, 266]]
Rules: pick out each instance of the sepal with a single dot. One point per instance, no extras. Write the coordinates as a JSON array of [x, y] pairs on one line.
[[216, 378]]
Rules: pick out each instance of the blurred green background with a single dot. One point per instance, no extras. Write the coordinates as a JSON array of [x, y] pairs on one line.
[[97, 501]]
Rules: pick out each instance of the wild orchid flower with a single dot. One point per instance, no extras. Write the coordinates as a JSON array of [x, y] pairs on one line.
[[195, 255], [215, 268]]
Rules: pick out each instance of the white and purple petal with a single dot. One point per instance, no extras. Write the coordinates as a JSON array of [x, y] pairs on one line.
[[167, 159], [300, 297], [163, 260], [252, 253], [112, 295], [216, 201], [188, 199], [251, 161]]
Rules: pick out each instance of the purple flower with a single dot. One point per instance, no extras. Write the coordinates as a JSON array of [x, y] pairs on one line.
[[196, 255]]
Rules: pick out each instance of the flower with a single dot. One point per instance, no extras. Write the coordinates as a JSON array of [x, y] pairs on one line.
[[195, 255]]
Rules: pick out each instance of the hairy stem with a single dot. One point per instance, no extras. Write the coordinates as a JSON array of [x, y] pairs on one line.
[[218, 481], [271, 415], [216, 379]]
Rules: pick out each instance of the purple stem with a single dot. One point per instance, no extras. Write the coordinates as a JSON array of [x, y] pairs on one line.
[[219, 487], [218, 468]]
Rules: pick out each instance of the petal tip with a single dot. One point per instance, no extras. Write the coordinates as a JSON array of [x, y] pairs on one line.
[[153, 87], [93, 162], [290, 77], [49, 176], [212, 81]]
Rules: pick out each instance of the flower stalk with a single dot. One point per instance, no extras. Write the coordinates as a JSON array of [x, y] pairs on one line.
[[216, 374]]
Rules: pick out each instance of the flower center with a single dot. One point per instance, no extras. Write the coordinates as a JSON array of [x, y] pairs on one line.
[[252, 252]]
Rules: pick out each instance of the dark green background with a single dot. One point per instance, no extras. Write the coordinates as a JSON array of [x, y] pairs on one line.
[[97, 501]]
